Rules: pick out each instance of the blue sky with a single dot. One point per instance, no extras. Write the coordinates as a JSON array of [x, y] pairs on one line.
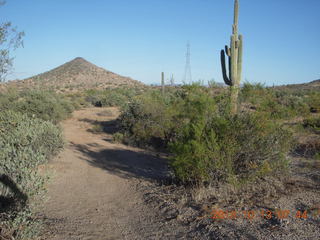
[[141, 38]]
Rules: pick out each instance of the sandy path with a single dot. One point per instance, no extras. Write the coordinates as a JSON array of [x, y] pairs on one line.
[[93, 194]]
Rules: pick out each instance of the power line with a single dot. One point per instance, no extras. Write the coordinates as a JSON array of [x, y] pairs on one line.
[[187, 77]]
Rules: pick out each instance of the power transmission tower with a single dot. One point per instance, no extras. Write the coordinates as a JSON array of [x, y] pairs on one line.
[[187, 77], [172, 80]]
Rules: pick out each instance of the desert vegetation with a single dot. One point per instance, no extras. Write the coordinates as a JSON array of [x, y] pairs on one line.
[[29, 138], [206, 141], [108, 97], [241, 146]]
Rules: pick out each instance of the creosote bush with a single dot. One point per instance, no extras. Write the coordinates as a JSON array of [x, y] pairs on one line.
[[206, 143], [230, 148], [154, 119], [148, 119]]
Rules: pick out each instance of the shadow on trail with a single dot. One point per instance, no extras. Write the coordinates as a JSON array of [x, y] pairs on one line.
[[109, 126], [127, 163]]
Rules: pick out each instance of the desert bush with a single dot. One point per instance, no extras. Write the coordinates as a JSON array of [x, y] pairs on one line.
[[313, 101], [312, 123], [118, 137], [45, 105], [206, 142], [283, 106], [154, 119], [278, 104], [147, 119], [25, 143], [232, 148], [111, 97], [78, 100], [250, 92]]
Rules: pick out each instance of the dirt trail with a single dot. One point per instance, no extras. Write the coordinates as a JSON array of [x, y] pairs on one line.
[[93, 193]]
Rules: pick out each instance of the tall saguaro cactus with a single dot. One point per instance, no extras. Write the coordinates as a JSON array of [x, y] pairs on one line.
[[234, 53]]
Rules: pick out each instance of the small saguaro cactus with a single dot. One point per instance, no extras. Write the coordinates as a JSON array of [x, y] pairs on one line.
[[234, 53], [162, 82], [172, 80]]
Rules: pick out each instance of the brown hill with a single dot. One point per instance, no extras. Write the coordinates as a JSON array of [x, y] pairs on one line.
[[313, 85], [76, 75]]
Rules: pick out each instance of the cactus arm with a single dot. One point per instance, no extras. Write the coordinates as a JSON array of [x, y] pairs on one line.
[[223, 67], [240, 50], [228, 53]]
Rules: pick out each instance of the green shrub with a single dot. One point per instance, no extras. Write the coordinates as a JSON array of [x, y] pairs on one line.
[[313, 101], [97, 127], [281, 105], [233, 148], [77, 100], [312, 123], [45, 105], [154, 119], [41, 104], [28, 138], [111, 97], [118, 137], [206, 142], [278, 104], [147, 119], [25, 143], [251, 92]]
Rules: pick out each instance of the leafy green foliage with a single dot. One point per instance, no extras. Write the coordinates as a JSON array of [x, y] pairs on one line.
[[26, 143], [111, 97], [313, 101], [206, 142], [41, 104], [154, 119], [10, 39], [28, 138], [312, 123], [78, 100], [276, 103], [147, 119], [233, 148]]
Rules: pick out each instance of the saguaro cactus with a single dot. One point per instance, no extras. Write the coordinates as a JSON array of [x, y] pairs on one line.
[[234, 53], [162, 82]]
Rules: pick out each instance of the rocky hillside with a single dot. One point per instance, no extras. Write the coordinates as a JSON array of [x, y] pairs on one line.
[[314, 85], [76, 75]]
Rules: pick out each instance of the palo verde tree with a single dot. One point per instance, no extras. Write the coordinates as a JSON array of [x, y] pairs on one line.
[[234, 53], [10, 39]]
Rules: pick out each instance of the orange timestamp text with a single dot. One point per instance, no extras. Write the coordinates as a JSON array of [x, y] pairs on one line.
[[220, 214]]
